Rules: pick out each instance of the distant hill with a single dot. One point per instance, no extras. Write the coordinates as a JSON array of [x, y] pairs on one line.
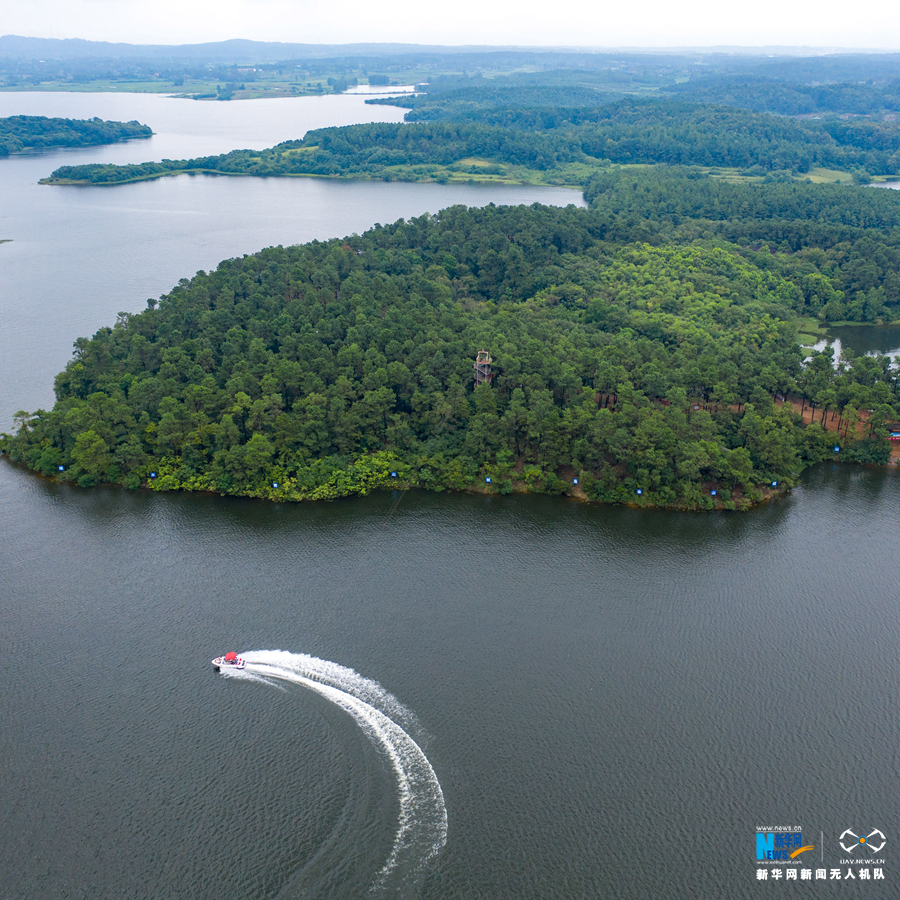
[[234, 51]]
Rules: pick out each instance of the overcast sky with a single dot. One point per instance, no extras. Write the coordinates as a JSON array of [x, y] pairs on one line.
[[869, 24]]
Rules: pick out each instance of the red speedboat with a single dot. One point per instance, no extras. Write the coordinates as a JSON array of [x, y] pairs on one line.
[[229, 661]]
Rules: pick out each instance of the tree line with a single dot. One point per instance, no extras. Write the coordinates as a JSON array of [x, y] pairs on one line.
[[767, 94]]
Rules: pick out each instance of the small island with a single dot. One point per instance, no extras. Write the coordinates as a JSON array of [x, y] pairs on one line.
[[19, 134]]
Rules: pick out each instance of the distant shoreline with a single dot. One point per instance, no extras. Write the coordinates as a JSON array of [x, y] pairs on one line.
[[450, 178]]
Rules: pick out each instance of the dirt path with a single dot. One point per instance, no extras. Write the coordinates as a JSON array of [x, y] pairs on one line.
[[832, 421]]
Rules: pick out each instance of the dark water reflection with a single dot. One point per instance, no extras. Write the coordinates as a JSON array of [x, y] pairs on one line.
[[862, 339], [608, 692]]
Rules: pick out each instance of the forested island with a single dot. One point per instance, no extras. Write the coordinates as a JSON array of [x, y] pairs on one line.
[[21, 133], [646, 347]]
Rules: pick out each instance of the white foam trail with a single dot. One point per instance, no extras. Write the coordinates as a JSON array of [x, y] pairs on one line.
[[422, 828]]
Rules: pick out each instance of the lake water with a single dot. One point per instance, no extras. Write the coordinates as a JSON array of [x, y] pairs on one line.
[[611, 701], [382, 90], [859, 339]]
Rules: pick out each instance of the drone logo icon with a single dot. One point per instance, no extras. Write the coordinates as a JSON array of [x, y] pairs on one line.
[[873, 842]]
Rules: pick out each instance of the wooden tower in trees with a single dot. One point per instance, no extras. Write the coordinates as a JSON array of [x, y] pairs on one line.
[[483, 368]]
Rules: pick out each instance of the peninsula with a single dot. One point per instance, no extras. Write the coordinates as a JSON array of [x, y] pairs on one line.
[[550, 145], [631, 359]]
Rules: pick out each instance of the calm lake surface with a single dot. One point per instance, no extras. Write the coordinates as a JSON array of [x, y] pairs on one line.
[[858, 339], [612, 700]]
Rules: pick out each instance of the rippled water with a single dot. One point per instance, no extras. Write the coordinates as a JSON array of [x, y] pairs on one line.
[[610, 701], [421, 817]]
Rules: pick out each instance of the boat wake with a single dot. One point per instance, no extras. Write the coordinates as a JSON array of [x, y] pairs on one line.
[[422, 827]]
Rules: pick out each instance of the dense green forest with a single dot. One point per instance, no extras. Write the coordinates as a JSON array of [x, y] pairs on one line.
[[756, 88], [839, 246], [769, 95], [461, 101], [656, 130], [18, 133], [645, 357]]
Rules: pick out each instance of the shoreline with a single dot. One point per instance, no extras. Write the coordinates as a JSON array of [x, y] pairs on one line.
[[283, 495], [449, 178]]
